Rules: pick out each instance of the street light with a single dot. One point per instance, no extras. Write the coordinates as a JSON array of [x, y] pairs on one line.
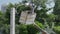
[[12, 21]]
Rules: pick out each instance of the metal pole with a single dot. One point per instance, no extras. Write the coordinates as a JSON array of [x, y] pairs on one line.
[[12, 21], [32, 6]]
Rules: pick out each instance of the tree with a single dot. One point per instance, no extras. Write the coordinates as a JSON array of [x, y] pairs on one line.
[[57, 18], [57, 10], [41, 17]]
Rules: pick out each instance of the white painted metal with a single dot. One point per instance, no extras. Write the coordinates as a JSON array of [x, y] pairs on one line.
[[12, 21], [26, 18]]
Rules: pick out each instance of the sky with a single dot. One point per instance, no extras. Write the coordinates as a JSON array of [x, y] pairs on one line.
[[8, 1], [50, 3]]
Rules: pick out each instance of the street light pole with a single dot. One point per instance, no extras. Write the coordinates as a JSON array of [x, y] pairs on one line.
[[12, 21]]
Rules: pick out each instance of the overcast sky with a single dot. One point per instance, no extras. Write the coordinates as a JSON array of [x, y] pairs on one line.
[[8, 1]]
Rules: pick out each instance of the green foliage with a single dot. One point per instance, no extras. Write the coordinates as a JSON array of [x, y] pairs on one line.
[[1, 18], [57, 29], [39, 24], [32, 30], [23, 7], [51, 18], [57, 11], [26, 29], [4, 29], [21, 29], [1, 14], [7, 17], [57, 7]]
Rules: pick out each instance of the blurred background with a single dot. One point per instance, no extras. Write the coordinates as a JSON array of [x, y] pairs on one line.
[[47, 18]]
